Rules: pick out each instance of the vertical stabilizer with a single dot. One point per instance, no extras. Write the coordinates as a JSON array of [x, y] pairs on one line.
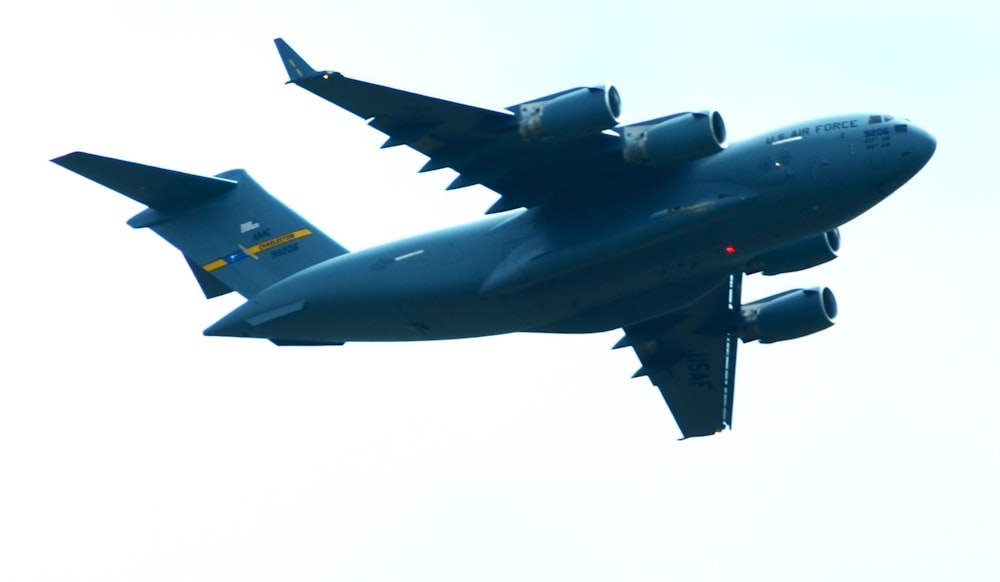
[[234, 235]]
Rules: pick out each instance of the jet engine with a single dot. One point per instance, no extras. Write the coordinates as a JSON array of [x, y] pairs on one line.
[[674, 139], [574, 112], [788, 315], [799, 255]]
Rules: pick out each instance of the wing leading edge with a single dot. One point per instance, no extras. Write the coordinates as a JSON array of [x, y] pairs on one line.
[[483, 145], [691, 357]]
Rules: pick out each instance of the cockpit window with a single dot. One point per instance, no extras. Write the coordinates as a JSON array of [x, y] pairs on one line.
[[879, 119]]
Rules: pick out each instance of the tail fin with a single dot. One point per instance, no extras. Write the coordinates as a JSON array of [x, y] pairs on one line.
[[234, 235]]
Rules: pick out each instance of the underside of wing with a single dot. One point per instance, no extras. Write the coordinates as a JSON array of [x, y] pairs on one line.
[[691, 357]]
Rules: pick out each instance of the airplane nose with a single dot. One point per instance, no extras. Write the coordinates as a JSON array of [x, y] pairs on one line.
[[922, 145]]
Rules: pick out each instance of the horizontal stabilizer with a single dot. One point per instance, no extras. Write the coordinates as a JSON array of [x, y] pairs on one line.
[[234, 235], [155, 187]]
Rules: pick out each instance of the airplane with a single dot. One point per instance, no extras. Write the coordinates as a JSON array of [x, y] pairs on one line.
[[647, 227]]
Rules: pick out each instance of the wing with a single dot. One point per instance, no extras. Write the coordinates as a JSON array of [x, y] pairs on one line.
[[691, 357], [482, 145]]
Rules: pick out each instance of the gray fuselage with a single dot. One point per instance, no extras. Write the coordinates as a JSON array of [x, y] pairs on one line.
[[621, 255]]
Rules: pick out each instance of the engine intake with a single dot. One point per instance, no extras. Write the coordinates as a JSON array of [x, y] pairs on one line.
[[675, 139], [789, 315], [574, 112], [799, 255]]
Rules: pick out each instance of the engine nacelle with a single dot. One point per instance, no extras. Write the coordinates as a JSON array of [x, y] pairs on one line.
[[574, 112], [799, 255], [675, 139], [788, 315]]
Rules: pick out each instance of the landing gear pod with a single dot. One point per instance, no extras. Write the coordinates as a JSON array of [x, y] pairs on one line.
[[574, 112]]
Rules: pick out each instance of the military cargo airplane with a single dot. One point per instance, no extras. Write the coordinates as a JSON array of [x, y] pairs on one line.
[[648, 227]]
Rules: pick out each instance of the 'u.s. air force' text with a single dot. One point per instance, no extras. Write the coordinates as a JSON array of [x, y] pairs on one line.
[[815, 130]]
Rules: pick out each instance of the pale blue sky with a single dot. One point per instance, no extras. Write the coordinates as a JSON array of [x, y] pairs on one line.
[[133, 448]]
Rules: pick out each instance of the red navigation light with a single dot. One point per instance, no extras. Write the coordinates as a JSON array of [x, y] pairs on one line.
[[730, 250]]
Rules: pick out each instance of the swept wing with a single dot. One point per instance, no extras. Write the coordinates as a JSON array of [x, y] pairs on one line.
[[484, 146], [691, 357]]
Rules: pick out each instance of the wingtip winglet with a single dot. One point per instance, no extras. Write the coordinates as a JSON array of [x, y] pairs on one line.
[[296, 66]]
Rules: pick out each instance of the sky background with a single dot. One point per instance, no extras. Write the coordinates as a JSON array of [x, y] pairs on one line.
[[134, 448]]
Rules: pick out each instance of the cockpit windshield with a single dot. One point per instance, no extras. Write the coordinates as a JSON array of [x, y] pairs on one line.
[[879, 119]]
